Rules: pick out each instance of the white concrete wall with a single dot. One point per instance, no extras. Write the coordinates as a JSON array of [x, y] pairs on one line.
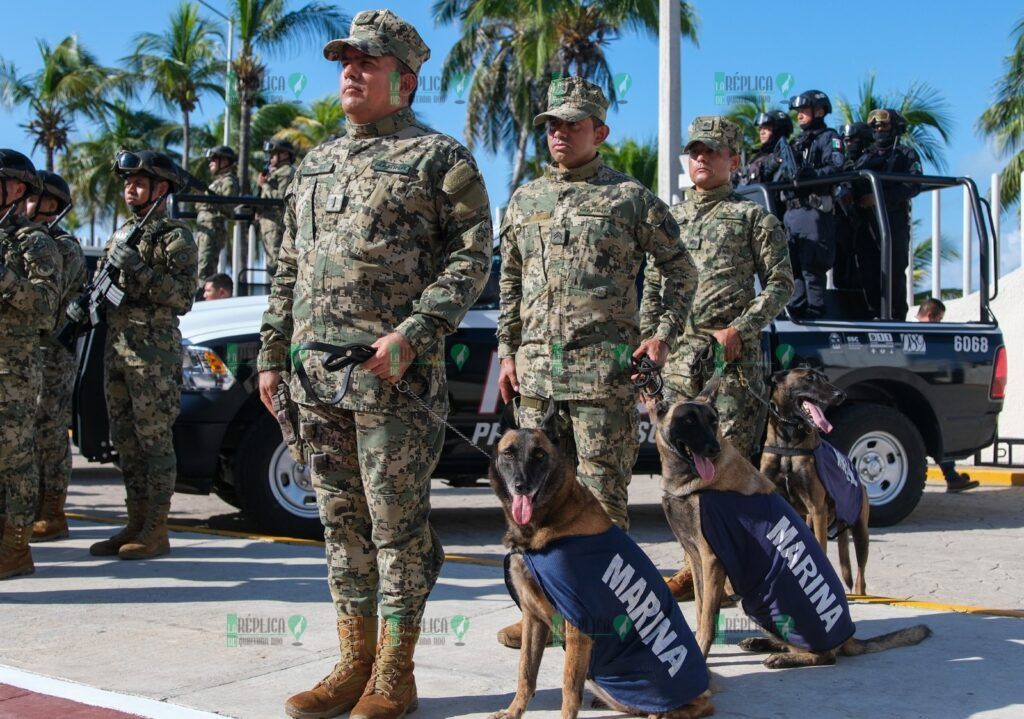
[[1008, 308]]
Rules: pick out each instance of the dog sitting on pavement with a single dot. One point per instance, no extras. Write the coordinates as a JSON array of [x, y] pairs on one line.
[[576, 575], [731, 522], [809, 472]]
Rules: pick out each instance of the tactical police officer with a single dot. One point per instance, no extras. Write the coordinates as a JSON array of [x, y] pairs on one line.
[[273, 184], [733, 242], [212, 220], [772, 126], [852, 223], [387, 243], [30, 280], [809, 219], [572, 244], [143, 350], [53, 411], [888, 155]]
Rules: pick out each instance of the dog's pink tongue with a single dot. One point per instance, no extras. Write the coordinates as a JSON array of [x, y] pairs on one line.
[[818, 417], [705, 467], [522, 508]]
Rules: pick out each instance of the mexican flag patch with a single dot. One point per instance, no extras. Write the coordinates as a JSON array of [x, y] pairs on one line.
[[837, 144]]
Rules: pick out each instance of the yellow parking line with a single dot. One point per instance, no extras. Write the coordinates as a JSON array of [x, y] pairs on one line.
[[485, 562], [991, 476]]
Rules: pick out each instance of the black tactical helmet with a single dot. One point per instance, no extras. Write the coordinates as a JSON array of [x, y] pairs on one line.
[[887, 114], [222, 151], [780, 122], [855, 131], [272, 145], [146, 162], [16, 166], [811, 98], [55, 186]]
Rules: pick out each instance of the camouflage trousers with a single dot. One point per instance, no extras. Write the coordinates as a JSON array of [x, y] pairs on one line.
[[372, 476], [20, 379], [741, 416], [210, 238], [270, 234], [604, 432], [143, 400], [53, 416]]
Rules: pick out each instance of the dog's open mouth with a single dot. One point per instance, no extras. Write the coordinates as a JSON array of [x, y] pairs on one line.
[[522, 508], [816, 416], [704, 466]]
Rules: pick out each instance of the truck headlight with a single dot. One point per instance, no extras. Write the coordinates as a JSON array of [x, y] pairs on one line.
[[203, 370]]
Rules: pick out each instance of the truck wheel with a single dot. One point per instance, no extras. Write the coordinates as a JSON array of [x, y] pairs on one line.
[[273, 490], [889, 455]]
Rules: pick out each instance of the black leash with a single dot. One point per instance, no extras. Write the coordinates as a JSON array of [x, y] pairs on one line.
[[648, 375]]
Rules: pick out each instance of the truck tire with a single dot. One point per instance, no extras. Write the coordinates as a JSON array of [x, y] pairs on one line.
[[889, 455], [273, 490]]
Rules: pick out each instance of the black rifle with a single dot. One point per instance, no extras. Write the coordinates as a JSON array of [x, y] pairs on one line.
[[56, 220], [789, 168]]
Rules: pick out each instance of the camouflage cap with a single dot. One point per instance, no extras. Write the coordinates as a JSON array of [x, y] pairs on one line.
[[381, 32], [714, 131], [573, 99]]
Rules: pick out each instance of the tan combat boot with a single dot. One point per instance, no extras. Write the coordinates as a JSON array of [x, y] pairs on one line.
[[151, 540], [15, 555], [681, 585], [52, 523], [339, 691], [391, 690], [136, 516]]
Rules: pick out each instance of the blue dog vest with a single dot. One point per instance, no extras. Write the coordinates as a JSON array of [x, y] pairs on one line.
[[644, 654], [775, 563], [841, 481]]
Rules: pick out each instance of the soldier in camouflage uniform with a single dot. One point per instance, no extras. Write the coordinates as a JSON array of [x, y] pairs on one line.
[[733, 242], [572, 244], [212, 220], [143, 352], [30, 269], [387, 242], [53, 411], [281, 155]]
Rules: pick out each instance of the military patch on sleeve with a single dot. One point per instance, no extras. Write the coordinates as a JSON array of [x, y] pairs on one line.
[[462, 184], [656, 213], [770, 222], [837, 144]]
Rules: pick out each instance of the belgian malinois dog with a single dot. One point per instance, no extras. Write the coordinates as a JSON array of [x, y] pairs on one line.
[[801, 397], [544, 505], [690, 443]]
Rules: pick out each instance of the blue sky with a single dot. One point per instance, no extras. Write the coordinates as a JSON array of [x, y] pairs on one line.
[[949, 44]]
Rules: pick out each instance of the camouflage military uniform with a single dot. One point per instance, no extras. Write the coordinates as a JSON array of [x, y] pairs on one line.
[[53, 411], [143, 357], [271, 219], [732, 242], [29, 293], [212, 224], [386, 229], [572, 243]]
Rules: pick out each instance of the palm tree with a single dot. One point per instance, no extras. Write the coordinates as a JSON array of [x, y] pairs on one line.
[[636, 159], [180, 64], [322, 121], [70, 83], [1004, 121], [925, 109], [513, 48], [265, 28], [743, 111]]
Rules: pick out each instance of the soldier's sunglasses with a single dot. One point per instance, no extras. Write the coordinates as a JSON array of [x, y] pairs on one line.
[[125, 160]]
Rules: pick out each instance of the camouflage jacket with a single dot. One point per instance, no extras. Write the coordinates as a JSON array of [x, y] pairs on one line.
[[572, 243], [207, 214], [732, 241], [275, 187], [386, 229], [163, 289], [29, 304], [74, 275]]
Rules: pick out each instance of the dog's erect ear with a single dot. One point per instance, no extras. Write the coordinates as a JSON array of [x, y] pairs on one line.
[[549, 424], [711, 388], [660, 408], [508, 417], [779, 376]]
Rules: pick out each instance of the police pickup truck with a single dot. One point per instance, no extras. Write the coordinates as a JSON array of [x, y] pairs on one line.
[[914, 391]]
